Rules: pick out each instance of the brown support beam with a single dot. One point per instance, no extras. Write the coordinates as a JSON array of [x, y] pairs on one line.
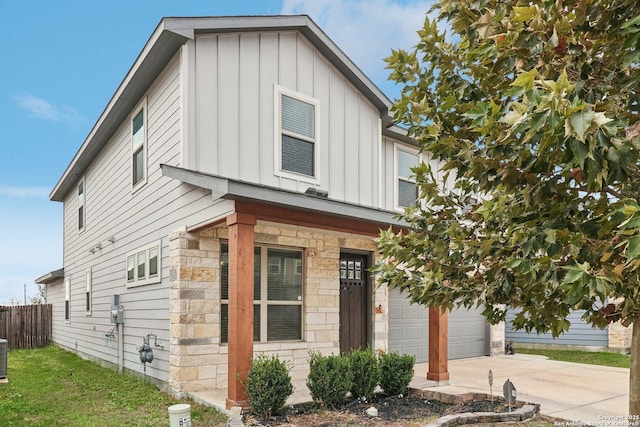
[[289, 215], [438, 344], [241, 241]]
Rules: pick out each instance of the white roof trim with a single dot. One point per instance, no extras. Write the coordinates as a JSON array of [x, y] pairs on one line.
[[224, 188], [51, 277]]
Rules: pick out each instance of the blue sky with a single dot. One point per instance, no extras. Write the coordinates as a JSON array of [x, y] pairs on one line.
[[62, 61]]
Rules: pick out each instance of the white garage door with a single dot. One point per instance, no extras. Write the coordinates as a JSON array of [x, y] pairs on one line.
[[408, 327], [409, 330]]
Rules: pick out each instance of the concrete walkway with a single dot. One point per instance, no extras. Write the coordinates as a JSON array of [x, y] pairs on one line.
[[576, 392]]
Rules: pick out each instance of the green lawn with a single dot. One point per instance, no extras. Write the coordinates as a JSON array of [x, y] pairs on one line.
[[616, 360], [54, 387]]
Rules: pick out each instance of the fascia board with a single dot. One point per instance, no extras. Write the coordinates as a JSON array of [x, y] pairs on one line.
[[159, 49], [50, 277], [303, 23], [237, 190], [399, 134]]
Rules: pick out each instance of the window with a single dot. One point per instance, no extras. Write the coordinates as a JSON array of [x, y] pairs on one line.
[[406, 189], [88, 293], [298, 135], [82, 212], [67, 299], [139, 148], [277, 294], [144, 265]]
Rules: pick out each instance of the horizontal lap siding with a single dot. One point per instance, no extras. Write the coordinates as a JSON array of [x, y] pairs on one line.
[[580, 333], [134, 220], [235, 125]]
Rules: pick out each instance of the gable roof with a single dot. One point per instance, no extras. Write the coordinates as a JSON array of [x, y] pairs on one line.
[[166, 40]]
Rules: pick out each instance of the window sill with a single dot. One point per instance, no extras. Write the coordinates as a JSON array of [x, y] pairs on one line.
[[144, 282], [138, 186], [306, 179]]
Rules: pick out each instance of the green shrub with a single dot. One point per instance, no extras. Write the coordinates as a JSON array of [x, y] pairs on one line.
[[268, 385], [366, 373], [330, 379], [396, 372]]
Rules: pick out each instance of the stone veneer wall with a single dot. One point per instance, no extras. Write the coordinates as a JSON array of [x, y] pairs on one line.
[[619, 337], [198, 361]]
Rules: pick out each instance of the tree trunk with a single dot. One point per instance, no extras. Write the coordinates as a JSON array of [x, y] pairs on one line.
[[634, 373]]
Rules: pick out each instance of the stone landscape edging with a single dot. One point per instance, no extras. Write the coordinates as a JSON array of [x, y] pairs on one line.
[[524, 411]]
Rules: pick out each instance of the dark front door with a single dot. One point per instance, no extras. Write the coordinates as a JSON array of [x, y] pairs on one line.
[[353, 302]]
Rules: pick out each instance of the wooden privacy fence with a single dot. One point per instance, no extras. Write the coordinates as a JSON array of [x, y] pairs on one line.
[[26, 326]]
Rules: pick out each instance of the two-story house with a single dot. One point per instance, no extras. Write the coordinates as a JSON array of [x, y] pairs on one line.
[[230, 194]]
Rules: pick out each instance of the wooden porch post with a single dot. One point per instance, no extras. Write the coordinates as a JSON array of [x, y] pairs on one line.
[[438, 344], [241, 241]]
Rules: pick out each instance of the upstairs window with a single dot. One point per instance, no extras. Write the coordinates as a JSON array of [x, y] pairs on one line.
[[144, 265], [82, 212], [138, 148], [298, 135], [406, 189]]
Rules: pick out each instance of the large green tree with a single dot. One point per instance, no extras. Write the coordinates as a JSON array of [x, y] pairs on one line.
[[531, 108]]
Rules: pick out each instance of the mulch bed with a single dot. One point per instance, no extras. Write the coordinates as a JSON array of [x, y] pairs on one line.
[[400, 410]]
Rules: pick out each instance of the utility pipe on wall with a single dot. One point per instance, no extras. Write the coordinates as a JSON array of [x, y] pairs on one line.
[[117, 317], [120, 327]]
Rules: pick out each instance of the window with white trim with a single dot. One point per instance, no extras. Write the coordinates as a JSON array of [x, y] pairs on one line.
[[277, 294], [82, 211], [406, 191], [297, 139], [67, 299], [88, 296], [144, 265], [138, 147]]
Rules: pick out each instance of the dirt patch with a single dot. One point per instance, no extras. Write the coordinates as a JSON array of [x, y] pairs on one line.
[[409, 411]]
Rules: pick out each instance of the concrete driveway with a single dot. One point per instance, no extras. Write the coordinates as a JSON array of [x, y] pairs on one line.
[[576, 392]]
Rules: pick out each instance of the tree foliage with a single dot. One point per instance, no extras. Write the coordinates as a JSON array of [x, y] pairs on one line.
[[529, 114], [41, 297]]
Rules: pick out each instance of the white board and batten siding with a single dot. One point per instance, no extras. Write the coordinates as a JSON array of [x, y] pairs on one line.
[[409, 330], [237, 76], [580, 333], [133, 219]]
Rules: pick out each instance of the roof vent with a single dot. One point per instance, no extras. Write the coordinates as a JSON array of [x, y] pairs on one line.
[[314, 192]]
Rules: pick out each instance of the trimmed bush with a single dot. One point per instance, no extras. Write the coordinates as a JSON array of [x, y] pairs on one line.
[[366, 373], [330, 379], [268, 385], [396, 372]]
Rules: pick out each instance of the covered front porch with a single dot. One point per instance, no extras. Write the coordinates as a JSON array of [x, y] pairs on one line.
[[224, 311]]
